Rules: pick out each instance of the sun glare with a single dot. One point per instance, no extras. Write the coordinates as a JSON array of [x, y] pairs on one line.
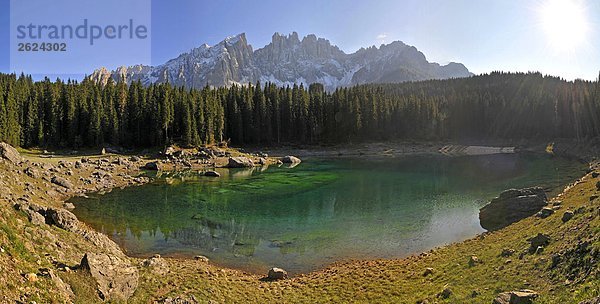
[[565, 24]]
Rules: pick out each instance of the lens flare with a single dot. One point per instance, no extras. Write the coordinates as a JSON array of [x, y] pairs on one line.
[[565, 24]]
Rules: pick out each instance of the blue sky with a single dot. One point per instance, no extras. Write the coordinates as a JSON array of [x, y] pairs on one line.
[[485, 35]]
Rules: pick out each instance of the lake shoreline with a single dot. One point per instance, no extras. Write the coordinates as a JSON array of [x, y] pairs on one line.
[[121, 174]]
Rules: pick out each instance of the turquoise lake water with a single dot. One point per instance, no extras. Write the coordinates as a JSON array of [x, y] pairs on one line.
[[322, 211]]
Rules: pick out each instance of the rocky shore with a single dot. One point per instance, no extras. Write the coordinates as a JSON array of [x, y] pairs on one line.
[[47, 255], [37, 187]]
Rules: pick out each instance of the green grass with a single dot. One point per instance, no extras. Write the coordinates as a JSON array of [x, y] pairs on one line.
[[15, 247]]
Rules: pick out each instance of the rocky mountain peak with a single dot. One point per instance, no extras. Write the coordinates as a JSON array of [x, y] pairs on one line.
[[288, 60]]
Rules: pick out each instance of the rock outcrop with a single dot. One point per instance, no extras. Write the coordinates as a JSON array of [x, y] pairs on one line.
[[63, 219], [116, 278], [9, 153], [512, 206], [287, 60]]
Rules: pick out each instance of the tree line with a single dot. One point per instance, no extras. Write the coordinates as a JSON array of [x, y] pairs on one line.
[[498, 106]]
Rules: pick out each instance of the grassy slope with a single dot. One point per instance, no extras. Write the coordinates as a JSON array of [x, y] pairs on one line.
[[28, 248]]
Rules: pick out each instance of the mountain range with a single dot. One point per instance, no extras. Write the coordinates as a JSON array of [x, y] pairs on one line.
[[288, 60]]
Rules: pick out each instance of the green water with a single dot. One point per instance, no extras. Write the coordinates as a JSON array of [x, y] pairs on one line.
[[321, 211]]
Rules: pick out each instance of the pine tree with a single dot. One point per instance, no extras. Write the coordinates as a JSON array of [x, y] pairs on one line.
[[110, 117], [3, 113], [122, 113], [166, 110], [95, 136]]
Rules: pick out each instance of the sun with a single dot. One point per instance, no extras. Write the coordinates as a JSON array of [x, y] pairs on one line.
[[565, 24]]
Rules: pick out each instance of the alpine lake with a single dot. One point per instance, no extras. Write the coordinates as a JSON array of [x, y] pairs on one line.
[[321, 211]]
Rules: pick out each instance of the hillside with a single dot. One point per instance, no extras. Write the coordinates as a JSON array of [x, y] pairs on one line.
[[508, 106]]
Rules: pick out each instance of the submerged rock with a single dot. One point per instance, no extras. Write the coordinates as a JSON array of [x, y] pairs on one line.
[[512, 206], [117, 280], [240, 162], [212, 174]]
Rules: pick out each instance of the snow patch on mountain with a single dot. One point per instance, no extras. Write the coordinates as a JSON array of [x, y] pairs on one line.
[[287, 60]]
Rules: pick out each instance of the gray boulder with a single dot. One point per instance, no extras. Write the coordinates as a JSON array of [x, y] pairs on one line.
[[445, 293], [567, 216], [63, 182], [35, 213], [506, 252], [116, 278], [155, 166], [62, 218], [524, 296], [31, 172], [512, 206], [9, 153], [277, 274], [545, 212], [201, 258], [240, 162], [183, 299], [35, 218], [538, 241], [157, 265], [290, 160]]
